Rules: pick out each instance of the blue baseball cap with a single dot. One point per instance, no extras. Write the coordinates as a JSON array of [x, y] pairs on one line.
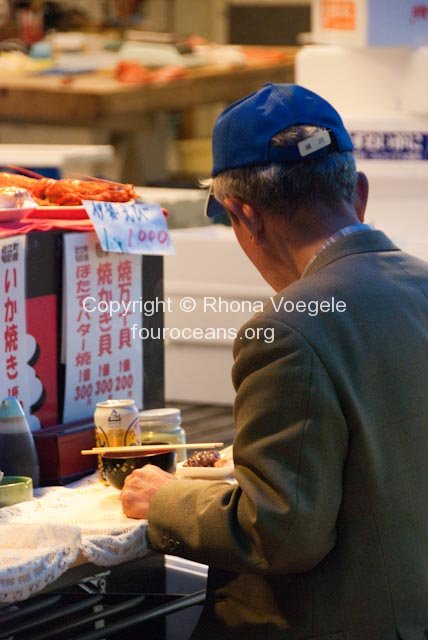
[[244, 130]]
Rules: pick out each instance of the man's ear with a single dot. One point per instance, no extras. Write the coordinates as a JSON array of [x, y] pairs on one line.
[[246, 215], [361, 195]]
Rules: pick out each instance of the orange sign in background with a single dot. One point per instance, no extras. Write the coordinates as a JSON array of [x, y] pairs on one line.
[[339, 14]]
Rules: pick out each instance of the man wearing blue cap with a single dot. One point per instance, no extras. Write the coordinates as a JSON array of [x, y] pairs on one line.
[[325, 534]]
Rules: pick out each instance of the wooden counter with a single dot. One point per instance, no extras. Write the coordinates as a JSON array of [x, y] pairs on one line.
[[98, 101]]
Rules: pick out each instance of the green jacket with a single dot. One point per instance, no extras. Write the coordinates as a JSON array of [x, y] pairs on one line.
[[326, 534]]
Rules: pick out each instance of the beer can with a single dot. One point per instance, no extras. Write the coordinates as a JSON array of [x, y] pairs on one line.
[[116, 425]]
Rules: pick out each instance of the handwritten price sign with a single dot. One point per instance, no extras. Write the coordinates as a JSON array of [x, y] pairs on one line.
[[130, 227]]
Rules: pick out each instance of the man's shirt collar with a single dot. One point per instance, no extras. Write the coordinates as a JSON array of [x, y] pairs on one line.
[[341, 233]]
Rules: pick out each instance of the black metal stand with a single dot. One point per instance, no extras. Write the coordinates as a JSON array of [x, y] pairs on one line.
[[88, 617]]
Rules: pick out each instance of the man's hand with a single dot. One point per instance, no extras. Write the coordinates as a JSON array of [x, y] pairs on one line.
[[140, 487]]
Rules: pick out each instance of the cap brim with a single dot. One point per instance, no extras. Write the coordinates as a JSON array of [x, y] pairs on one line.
[[213, 208]]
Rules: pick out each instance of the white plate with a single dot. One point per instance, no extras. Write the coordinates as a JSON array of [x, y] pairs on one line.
[[205, 473], [11, 215]]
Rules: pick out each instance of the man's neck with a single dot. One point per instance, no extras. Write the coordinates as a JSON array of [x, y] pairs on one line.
[[292, 249]]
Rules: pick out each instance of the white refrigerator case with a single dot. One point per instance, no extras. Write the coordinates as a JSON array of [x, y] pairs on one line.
[[183, 576]]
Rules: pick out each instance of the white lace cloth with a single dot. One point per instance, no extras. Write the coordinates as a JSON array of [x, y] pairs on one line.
[[41, 539]]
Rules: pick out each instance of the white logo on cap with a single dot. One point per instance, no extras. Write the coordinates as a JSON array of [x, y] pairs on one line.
[[318, 141]]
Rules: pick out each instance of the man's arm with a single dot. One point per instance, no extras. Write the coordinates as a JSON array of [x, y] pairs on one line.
[[289, 455]]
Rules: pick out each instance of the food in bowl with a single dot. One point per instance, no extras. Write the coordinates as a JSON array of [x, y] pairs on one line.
[[209, 466], [207, 459], [117, 466]]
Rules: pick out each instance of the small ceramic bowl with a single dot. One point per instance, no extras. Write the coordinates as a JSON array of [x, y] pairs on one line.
[[14, 489], [13, 197], [118, 466]]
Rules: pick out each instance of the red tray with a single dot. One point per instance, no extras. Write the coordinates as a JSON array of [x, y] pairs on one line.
[[60, 213]]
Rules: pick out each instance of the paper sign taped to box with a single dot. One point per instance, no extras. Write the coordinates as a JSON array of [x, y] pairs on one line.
[[130, 227], [18, 379], [102, 294]]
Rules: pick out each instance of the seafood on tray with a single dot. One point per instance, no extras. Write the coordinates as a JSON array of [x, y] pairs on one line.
[[68, 192]]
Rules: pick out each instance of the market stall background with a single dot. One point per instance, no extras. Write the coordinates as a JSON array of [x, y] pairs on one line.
[[108, 78], [129, 91]]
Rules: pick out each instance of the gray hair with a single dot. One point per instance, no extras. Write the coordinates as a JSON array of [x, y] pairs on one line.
[[283, 189]]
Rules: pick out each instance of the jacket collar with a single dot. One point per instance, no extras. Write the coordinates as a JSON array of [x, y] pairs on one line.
[[364, 241]]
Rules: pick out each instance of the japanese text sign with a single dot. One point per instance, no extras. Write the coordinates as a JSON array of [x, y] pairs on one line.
[[103, 358], [12, 318], [130, 227]]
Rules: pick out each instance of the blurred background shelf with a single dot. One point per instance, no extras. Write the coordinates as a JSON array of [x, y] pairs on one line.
[[202, 422]]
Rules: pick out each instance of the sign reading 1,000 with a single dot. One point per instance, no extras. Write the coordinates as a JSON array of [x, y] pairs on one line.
[[130, 227], [140, 236]]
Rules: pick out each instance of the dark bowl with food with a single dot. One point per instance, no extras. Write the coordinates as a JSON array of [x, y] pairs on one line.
[[117, 466]]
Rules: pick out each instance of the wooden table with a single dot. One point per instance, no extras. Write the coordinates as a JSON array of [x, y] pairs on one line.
[[98, 101]]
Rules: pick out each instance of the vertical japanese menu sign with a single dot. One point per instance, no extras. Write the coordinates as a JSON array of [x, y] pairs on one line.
[[13, 351], [102, 318]]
